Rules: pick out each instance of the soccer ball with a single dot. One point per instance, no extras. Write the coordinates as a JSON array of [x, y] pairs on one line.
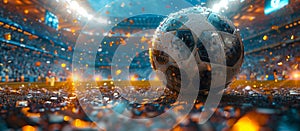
[[203, 32]]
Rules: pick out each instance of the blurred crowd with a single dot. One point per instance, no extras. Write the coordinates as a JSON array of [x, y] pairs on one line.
[[281, 35], [44, 45], [263, 65], [23, 65], [37, 52], [275, 63], [36, 25], [288, 15], [58, 44]]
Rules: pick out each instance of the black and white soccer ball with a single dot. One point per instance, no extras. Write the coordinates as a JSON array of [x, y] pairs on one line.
[[202, 32]]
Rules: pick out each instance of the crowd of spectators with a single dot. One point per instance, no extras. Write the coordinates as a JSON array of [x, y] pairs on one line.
[[273, 55], [118, 36], [59, 109], [273, 63], [34, 55], [48, 37], [288, 15], [19, 65], [35, 42], [273, 37]]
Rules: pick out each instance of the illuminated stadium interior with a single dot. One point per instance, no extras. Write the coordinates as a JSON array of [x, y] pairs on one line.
[[53, 61]]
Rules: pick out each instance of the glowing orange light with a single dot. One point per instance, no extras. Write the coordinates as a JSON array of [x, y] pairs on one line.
[[97, 78], [75, 21], [133, 78], [245, 124], [296, 75], [274, 27], [143, 39], [80, 124], [37, 64], [236, 24], [156, 78], [251, 18], [296, 66], [6, 26], [13, 28], [26, 11], [33, 114], [7, 36], [28, 128], [26, 33], [122, 41], [265, 38], [75, 78], [118, 72], [173, 74], [131, 22], [66, 118], [128, 35], [292, 37], [63, 65]]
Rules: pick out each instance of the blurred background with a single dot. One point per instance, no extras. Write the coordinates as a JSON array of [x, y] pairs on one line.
[[47, 32], [38, 38]]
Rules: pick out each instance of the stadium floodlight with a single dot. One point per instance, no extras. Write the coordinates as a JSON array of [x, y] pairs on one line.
[[75, 77], [75, 6], [296, 75], [102, 21], [90, 17], [218, 6]]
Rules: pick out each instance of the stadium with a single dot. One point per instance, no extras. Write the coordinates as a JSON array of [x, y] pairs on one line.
[[180, 65]]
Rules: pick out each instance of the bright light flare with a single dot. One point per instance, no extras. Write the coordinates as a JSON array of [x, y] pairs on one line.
[[75, 6], [75, 78], [63, 65], [29, 128], [296, 75], [222, 4], [98, 78], [133, 78], [245, 124], [118, 72]]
